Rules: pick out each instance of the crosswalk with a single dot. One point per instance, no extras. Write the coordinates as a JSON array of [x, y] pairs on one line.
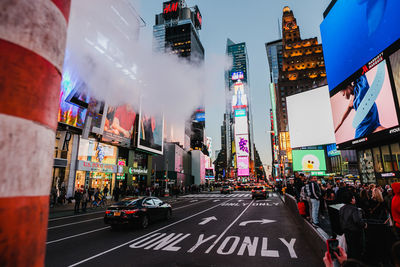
[[235, 195]]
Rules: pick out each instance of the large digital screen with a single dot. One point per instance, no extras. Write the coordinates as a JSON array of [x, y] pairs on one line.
[[395, 64], [241, 126], [332, 150], [310, 118], [71, 113], [309, 160], [364, 105], [243, 166], [150, 134], [119, 124], [354, 32], [242, 144]]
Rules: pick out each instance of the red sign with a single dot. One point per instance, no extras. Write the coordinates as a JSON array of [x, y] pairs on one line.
[[171, 7], [199, 18]]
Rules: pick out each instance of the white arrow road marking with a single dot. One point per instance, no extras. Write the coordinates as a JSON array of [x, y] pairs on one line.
[[194, 200], [240, 200], [207, 220], [262, 221], [216, 200]]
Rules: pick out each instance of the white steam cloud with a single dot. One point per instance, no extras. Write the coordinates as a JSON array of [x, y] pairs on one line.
[[103, 49]]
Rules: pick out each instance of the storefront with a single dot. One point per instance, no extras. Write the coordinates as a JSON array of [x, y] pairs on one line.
[[380, 164], [96, 166], [138, 172]]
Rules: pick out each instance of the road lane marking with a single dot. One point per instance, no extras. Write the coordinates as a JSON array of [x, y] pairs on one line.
[[207, 220], [72, 236], [140, 237], [226, 230], [290, 246], [200, 241], [73, 216], [250, 246], [232, 249], [188, 205], [262, 221], [63, 225]]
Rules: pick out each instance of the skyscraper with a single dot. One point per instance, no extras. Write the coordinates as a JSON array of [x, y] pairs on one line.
[[301, 67], [176, 31], [238, 116]]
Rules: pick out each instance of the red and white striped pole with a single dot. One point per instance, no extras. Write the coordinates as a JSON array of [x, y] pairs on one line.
[[32, 46]]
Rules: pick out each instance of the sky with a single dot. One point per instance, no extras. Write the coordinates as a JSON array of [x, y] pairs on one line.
[[254, 22]]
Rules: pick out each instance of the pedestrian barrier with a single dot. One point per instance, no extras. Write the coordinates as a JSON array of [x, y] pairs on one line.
[[314, 238]]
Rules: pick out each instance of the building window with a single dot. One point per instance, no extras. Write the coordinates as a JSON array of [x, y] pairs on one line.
[[387, 162], [395, 155], [377, 159]]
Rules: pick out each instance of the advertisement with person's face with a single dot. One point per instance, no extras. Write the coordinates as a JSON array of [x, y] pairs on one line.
[[309, 160], [365, 105], [151, 133], [119, 124]]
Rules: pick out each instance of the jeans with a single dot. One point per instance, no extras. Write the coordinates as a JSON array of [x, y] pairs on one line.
[[315, 210]]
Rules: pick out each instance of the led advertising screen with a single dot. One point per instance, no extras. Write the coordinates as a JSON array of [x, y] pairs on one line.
[[71, 113], [310, 118], [364, 106], [242, 144], [241, 125], [332, 150], [150, 134], [243, 166], [354, 32], [119, 124], [309, 160], [395, 64]]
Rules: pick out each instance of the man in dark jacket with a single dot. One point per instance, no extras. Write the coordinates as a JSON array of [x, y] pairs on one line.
[[78, 198], [352, 226], [291, 189], [314, 192]]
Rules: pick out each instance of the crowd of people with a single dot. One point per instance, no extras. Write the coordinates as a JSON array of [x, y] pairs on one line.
[[368, 215]]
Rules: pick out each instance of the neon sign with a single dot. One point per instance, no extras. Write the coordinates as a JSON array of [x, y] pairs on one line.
[[170, 7]]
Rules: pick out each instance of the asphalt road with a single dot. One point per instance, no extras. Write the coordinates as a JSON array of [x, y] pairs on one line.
[[206, 230]]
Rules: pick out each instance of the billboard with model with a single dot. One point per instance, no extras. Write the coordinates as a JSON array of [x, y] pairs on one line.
[[364, 105], [355, 31], [151, 133], [119, 124]]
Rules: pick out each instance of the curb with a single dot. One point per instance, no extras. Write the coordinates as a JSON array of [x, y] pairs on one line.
[[316, 237]]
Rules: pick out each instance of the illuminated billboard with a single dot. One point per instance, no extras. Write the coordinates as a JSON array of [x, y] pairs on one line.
[[70, 113], [309, 160], [237, 76], [243, 166], [364, 106], [242, 144], [332, 150], [150, 133], [310, 118], [119, 124], [354, 32], [171, 9], [241, 126], [240, 113], [395, 64]]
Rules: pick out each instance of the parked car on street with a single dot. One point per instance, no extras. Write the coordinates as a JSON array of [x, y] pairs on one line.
[[137, 211]]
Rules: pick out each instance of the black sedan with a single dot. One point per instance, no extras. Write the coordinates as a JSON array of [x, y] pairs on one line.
[[137, 211]]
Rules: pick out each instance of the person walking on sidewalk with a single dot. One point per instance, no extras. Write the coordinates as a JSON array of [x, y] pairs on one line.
[[314, 192], [78, 198], [85, 199]]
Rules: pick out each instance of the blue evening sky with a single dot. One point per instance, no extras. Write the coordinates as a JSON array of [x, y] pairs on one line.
[[254, 22]]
